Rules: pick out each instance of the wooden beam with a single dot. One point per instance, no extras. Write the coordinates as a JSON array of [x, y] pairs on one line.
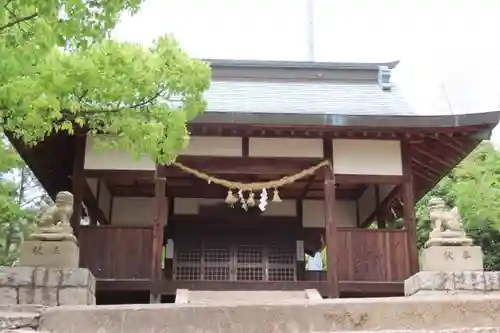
[[119, 174], [456, 145], [244, 165], [358, 222], [359, 288], [424, 175], [432, 157], [214, 192], [78, 180], [378, 208], [424, 169], [323, 131], [409, 207], [368, 179]]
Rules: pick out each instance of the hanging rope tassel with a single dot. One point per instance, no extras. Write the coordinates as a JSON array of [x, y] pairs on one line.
[[231, 199], [251, 200], [276, 196]]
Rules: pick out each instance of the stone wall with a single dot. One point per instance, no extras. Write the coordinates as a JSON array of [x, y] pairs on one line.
[[453, 283], [47, 286], [460, 313], [22, 319]]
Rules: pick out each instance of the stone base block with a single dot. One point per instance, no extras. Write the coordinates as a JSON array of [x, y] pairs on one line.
[[452, 283], [46, 286], [385, 314], [452, 258], [49, 254]]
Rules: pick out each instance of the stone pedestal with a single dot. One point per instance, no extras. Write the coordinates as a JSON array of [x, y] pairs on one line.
[[451, 270], [453, 283], [52, 254], [47, 286], [452, 258]]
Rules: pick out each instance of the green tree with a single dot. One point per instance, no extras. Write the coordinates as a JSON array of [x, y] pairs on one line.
[[474, 187], [60, 69], [16, 211]]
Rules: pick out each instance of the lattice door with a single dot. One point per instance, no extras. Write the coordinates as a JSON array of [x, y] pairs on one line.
[[281, 261], [188, 259], [249, 264], [213, 259], [216, 260]]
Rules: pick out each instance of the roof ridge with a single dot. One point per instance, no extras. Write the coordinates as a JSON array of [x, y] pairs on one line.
[[239, 63]]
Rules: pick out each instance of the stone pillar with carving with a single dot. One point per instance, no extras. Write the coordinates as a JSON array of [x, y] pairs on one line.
[[47, 271], [450, 263]]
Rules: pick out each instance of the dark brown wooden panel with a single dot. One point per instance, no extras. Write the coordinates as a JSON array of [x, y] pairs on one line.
[[372, 255], [116, 252]]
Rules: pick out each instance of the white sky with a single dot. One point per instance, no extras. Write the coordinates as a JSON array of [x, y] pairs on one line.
[[452, 42]]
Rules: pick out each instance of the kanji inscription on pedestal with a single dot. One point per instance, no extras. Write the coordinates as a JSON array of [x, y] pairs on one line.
[[452, 258]]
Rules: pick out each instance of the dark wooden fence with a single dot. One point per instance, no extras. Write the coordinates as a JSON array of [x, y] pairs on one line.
[[116, 252]]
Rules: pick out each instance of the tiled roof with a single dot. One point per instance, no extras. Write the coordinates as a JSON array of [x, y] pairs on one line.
[[339, 95], [319, 97]]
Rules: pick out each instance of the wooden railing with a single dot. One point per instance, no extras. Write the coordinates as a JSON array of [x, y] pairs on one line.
[[375, 255], [363, 254], [372, 255], [116, 252]]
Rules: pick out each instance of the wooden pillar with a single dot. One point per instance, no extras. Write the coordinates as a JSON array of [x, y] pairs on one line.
[[159, 222], [330, 235], [378, 206], [330, 223], [409, 207], [78, 180]]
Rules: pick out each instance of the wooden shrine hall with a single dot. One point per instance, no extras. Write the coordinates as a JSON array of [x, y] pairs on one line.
[[342, 156]]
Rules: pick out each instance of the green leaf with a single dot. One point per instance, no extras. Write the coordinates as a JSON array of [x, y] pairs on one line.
[[142, 97]]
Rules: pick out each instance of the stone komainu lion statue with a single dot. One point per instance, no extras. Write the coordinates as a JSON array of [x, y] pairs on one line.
[[443, 219], [59, 213]]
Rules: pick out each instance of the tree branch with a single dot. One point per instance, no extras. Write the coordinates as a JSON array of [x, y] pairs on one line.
[[68, 115], [17, 21]]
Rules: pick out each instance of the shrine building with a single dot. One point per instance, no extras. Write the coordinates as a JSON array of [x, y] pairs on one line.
[[344, 158]]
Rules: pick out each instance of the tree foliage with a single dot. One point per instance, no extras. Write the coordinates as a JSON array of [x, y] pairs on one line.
[[474, 187], [20, 196], [59, 69]]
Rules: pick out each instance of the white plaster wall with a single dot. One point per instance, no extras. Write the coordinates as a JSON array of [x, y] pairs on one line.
[[113, 159], [285, 147], [213, 146], [313, 213], [133, 211], [191, 206], [367, 157]]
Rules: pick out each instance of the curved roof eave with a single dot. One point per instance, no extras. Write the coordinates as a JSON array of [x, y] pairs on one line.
[[300, 64], [490, 119]]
